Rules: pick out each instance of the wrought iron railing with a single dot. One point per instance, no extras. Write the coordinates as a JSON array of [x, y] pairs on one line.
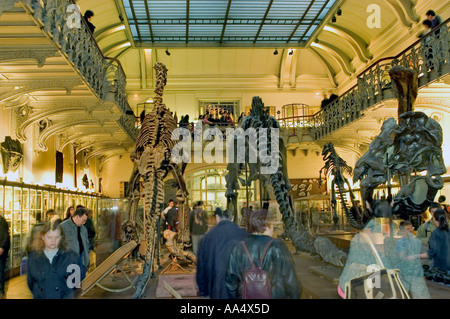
[[103, 75], [428, 56]]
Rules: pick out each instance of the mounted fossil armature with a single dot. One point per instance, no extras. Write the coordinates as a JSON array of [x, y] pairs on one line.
[[407, 152], [152, 163]]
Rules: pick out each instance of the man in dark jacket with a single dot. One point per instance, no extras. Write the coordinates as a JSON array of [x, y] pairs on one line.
[[172, 218], [4, 249], [277, 262], [213, 252]]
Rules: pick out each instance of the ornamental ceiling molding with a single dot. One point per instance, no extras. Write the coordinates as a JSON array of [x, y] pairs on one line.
[[28, 86], [55, 128], [103, 158], [330, 72], [91, 146], [40, 55], [405, 11], [6, 5], [85, 133], [359, 46], [24, 122], [101, 151], [338, 55]]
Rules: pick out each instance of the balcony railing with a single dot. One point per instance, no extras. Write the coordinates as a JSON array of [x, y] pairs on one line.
[[429, 57], [103, 75]]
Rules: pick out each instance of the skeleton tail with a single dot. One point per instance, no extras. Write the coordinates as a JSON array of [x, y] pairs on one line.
[[352, 219], [153, 197], [302, 241]]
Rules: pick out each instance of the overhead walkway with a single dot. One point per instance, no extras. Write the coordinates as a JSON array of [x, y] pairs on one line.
[[53, 74], [429, 57]]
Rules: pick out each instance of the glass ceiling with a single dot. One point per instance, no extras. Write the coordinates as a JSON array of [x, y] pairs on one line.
[[265, 23]]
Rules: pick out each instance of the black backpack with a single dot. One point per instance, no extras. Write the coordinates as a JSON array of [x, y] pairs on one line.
[[256, 281]]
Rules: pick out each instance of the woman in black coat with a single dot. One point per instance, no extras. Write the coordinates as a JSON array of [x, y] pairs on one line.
[[48, 265], [439, 242]]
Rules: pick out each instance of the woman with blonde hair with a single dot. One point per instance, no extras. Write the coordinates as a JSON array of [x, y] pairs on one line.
[[48, 265]]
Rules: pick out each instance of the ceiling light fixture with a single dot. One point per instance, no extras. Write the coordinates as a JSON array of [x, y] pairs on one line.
[[167, 52], [339, 12], [333, 19], [275, 52], [291, 52]]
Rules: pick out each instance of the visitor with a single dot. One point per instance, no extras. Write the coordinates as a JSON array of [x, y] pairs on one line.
[[171, 217], [408, 249], [77, 237], [241, 117], [198, 225], [69, 212], [5, 244], [324, 101], [244, 215], [439, 242], [52, 216], [48, 272], [277, 261], [88, 17], [435, 19], [91, 230], [165, 211], [32, 234], [361, 256], [213, 252], [445, 207], [424, 231]]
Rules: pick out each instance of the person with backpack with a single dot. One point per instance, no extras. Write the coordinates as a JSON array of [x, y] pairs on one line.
[[261, 267], [213, 252]]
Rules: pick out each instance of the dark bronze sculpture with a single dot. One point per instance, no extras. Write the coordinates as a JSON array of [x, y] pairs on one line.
[[12, 154], [408, 153]]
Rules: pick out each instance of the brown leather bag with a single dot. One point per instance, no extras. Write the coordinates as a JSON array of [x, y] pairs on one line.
[[256, 281]]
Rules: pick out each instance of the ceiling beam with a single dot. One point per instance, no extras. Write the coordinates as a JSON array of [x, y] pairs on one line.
[[225, 21], [301, 20], [263, 20]]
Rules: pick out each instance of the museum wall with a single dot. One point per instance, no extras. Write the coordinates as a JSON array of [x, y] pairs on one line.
[[114, 171]]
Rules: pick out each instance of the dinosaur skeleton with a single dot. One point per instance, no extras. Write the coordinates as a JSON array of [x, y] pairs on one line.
[[270, 147], [335, 165], [152, 163]]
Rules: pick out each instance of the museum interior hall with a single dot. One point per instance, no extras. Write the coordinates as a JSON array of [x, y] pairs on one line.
[[314, 112]]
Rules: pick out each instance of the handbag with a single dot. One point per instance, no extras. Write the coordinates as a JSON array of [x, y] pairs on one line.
[[381, 283]]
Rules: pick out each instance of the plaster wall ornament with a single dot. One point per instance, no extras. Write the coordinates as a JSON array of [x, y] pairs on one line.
[[40, 55]]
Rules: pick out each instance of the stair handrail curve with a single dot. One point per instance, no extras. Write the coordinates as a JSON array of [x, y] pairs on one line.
[[428, 56], [104, 75]]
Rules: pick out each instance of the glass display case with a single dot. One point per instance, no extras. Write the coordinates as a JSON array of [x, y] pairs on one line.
[[314, 212], [20, 203]]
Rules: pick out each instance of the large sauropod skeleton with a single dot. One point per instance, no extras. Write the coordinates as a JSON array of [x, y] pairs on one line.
[[152, 163], [268, 151]]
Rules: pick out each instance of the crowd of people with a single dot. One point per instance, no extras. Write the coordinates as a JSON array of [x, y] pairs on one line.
[[408, 250], [221, 260], [55, 249]]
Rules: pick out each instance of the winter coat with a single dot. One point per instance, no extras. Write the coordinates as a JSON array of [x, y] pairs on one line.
[[277, 263], [5, 240], [70, 230], [212, 259], [439, 250], [198, 224], [49, 281]]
